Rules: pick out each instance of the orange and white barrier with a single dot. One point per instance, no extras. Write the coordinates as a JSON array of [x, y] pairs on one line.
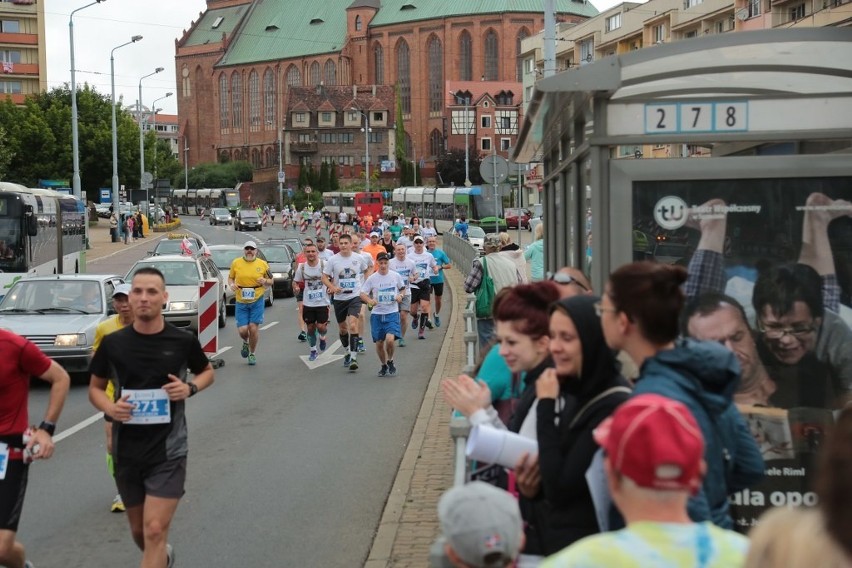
[[208, 315]]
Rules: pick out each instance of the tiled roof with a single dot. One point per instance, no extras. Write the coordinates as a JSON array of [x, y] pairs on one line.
[[401, 11], [341, 99], [204, 31]]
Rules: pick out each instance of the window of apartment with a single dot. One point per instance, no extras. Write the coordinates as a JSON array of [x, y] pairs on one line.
[[613, 22], [690, 3], [587, 49], [505, 144], [346, 137], [529, 64], [346, 160], [326, 117], [10, 87], [485, 122], [300, 117], [753, 8], [507, 122], [797, 12], [528, 93], [10, 55], [375, 137], [378, 116], [328, 138], [659, 33], [485, 144], [353, 116], [305, 138], [462, 123], [10, 26], [691, 33]]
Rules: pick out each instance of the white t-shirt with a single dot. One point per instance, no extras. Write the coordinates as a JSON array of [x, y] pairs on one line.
[[325, 254], [343, 217], [424, 265], [346, 272], [404, 268], [403, 240], [384, 288], [315, 295], [428, 232]]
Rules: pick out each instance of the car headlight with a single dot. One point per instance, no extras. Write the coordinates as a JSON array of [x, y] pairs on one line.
[[182, 306], [70, 340], [278, 275]]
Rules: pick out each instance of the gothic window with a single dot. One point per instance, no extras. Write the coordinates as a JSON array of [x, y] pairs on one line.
[[294, 76], [269, 97], [224, 101], [491, 56], [465, 57], [254, 98], [436, 143], [237, 99], [358, 23], [330, 73], [519, 61], [436, 75], [255, 158], [271, 157], [315, 74], [403, 75], [379, 62]]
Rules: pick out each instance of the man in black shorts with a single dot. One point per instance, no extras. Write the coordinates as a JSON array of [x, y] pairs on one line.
[[148, 361], [314, 298], [421, 287]]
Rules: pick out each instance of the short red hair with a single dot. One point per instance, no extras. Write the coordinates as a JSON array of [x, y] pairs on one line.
[[527, 306]]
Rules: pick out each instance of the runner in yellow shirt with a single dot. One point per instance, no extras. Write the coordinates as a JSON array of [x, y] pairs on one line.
[[123, 317], [249, 276]]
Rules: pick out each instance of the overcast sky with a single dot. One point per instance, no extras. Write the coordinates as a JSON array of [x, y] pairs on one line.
[[100, 28]]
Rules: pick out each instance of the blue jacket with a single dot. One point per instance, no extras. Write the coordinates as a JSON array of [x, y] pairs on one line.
[[704, 377]]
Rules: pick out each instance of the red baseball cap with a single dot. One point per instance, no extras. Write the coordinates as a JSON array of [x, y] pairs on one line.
[[655, 441]]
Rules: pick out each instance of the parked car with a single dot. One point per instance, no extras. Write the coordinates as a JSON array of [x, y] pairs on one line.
[[247, 220], [293, 242], [102, 210], [183, 274], [173, 244], [476, 237], [220, 215], [515, 216], [222, 256], [60, 313], [282, 264]]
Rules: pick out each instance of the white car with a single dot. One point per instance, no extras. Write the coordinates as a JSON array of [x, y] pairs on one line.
[[476, 237]]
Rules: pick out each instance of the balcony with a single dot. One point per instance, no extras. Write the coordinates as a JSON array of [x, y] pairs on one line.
[[303, 147], [23, 69], [19, 39]]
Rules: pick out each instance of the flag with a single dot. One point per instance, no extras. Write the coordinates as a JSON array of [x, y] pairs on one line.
[[7, 67], [185, 246]]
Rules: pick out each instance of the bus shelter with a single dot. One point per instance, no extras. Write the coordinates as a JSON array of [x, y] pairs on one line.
[[730, 155]]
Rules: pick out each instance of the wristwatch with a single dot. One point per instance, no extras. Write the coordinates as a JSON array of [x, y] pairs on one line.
[[48, 427], [193, 388]]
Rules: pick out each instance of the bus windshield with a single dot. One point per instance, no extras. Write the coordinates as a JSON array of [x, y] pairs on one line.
[[486, 206], [232, 199], [11, 246]]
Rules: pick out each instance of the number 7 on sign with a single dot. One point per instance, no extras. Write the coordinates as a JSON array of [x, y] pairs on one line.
[[697, 117]]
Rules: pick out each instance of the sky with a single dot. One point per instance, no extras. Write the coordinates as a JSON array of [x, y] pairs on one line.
[[100, 28]]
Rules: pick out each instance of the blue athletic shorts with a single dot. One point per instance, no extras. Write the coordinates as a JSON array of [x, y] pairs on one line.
[[249, 313], [383, 324]]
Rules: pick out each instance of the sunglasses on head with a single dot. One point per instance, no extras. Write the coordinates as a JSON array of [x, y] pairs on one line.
[[562, 278]]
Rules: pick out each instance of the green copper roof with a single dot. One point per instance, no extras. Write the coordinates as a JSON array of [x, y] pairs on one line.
[[204, 32], [400, 11]]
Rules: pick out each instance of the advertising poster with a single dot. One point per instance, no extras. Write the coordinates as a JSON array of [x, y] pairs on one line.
[[770, 277]]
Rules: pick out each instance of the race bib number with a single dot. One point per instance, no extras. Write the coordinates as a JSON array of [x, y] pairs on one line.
[[4, 460], [247, 293], [348, 284], [387, 296], [150, 406], [316, 295], [421, 271]]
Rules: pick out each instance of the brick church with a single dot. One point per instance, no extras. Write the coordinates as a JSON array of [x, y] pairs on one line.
[[289, 81]]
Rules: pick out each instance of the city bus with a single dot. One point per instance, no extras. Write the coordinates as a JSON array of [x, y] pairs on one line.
[[443, 205], [43, 232], [361, 202]]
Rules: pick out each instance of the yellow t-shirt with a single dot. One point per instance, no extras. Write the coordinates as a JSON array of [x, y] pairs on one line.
[[245, 275], [105, 328]]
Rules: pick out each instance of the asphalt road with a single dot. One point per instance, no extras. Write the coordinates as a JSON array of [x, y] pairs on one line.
[[287, 466]]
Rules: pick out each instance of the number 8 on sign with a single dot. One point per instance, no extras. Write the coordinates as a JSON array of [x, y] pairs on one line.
[[731, 117]]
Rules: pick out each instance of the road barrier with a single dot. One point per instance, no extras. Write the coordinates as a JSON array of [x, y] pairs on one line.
[[208, 319]]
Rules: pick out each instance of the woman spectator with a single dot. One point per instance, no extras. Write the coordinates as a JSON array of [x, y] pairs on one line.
[[534, 254], [506, 242], [639, 313], [512, 251], [569, 390]]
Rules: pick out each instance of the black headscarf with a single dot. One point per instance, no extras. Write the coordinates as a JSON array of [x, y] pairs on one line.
[[599, 364]]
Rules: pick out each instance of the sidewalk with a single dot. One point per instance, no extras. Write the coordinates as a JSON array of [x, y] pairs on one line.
[[102, 246], [409, 524]]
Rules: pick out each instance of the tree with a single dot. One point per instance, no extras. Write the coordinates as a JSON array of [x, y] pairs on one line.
[[333, 182], [217, 175], [6, 154], [303, 176], [450, 167], [323, 178]]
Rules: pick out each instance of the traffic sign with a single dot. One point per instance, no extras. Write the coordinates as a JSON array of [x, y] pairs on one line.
[[282, 176], [494, 168]]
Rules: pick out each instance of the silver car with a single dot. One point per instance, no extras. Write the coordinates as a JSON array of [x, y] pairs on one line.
[[183, 274], [220, 215], [60, 313]]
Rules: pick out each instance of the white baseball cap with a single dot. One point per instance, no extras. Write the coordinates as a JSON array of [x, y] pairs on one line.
[[250, 244]]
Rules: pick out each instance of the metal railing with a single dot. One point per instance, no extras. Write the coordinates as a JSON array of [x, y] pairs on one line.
[[460, 251]]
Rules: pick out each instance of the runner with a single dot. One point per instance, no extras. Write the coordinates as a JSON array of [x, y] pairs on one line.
[[437, 280], [425, 267], [149, 361], [122, 318], [323, 252], [343, 276], [20, 360], [383, 291], [405, 268], [249, 277], [315, 303], [303, 329], [428, 231], [362, 319]]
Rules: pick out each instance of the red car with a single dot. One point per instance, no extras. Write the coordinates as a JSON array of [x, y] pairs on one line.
[[514, 216]]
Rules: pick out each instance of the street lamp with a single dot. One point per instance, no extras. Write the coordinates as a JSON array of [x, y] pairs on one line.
[[185, 164], [366, 131], [115, 202], [75, 145], [466, 145], [154, 111], [142, 137]]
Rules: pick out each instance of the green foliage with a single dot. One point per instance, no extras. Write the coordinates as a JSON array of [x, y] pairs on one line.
[[450, 166], [333, 182], [324, 184], [5, 154], [216, 175], [303, 176]]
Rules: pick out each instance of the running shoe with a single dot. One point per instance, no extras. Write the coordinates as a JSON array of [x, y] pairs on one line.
[[28, 564], [322, 344], [383, 372], [244, 352], [170, 556], [361, 347], [353, 366], [313, 356], [437, 320], [252, 360], [414, 322], [401, 342], [421, 334], [391, 369], [347, 360], [117, 504], [303, 336], [429, 324]]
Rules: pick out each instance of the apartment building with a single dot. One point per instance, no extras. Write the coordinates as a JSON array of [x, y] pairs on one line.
[[23, 60]]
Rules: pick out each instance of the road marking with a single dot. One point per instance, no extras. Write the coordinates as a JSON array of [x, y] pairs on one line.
[[270, 324], [222, 350], [77, 427], [325, 357]]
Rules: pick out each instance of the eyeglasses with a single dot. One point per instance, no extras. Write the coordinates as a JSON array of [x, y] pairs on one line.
[[248, 249], [776, 332], [562, 278], [599, 309]]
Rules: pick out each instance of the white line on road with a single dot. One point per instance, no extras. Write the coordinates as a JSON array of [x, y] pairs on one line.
[[270, 324], [222, 350], [77, 427], [325, 358]]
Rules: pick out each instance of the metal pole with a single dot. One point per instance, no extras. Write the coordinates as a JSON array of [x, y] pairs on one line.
[[519, 205], [367, 150], [280, 169], [75, 142], [549, 38], [414, 151], [115, 199], [142, 184], [466, 147], [494, 170], [154, 111], [185, 164]]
